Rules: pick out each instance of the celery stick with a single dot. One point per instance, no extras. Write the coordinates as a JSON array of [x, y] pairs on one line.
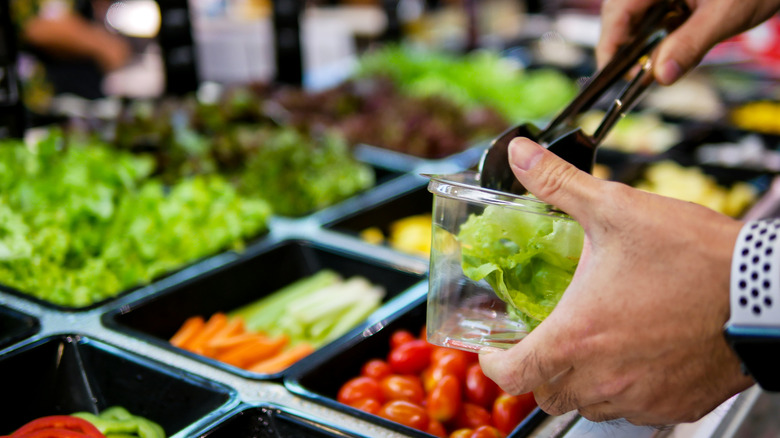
[[359, 312], [332, 300], [264, 313]]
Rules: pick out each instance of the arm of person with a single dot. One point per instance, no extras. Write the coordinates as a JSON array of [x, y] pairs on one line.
[[69, 35], [639, 332], [711, 21]]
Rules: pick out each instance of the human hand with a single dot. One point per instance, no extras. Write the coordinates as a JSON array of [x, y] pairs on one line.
[[711, 21], [111, 51], [638, 334]]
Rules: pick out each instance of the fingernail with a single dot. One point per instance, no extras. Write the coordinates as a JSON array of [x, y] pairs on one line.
[[670, 71], [524, 153]]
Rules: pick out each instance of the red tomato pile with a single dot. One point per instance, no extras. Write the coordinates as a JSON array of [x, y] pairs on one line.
[[437, 390]]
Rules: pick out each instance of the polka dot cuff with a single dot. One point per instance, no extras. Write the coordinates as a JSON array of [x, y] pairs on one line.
[[755, 275]]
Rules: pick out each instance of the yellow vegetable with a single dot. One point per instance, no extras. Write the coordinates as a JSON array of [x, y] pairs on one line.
[[667, 178], [410, 235]]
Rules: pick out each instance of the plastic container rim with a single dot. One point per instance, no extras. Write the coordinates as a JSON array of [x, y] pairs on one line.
[[459, 187]]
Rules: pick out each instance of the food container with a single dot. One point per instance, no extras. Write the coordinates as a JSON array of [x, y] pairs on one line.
[[69, 373], [320, 380], [499, 263], [269, 421], [15, 326], [157, 318]]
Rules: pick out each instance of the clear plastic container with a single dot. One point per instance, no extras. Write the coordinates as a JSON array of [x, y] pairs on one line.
[[499, 263]]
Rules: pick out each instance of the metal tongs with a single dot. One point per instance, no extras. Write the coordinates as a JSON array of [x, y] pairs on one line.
[[562, 136]]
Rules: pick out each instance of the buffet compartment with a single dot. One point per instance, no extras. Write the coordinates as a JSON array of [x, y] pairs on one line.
[[64, 374], [157, 318], [269, 421], [15, 326], [320, 380]]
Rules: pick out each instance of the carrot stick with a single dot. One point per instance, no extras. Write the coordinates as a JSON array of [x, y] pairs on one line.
[[260, 348], [191, 327], [282, 360], [232, 328], [222, 345], [198, 343]]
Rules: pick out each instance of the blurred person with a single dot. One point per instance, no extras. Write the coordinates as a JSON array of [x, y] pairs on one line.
[[639, 333], [68, 51]]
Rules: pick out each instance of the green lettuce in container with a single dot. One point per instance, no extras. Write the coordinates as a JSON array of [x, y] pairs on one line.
[[528, 259]]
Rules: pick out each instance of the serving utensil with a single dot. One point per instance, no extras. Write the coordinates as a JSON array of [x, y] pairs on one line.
[[562, 136]]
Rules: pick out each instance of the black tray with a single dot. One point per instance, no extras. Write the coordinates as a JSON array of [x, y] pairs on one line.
[[413, 202], [156, 318], [15, 326], [269, 421], [319, 380], [69, 373]]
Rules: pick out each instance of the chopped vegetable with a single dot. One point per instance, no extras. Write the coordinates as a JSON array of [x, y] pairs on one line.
[[117, 422], [315, 309], [668, 178], [55, 426], [281, 361], [410, 234], [528, 259]]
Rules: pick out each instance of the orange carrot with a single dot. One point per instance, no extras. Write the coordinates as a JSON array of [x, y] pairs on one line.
[[232, 328], [191, 327], [219, 346], [282, 360], [260, 348], [198, 343]]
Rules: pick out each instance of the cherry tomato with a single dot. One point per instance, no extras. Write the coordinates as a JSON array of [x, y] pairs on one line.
[[376, 368], [462, 433], [451, 361], [401, 337], [63, 423], [408, 414], [369, 405], [486, 432], [411, 357], [444, 401], [402, 387], [472, 416], [480, 390], [435, 428], [359, 388], [509, 410]]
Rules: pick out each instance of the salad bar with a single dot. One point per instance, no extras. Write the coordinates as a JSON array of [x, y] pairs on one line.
[[255, 262]]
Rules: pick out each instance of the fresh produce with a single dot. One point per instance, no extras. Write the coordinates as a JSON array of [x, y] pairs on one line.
[[372, 111], [636, 133], [478, 79], [668, 178], [228, 341], [528, 259], [410, 234], [437, 390], [117, 422], [315, 310], [79, 223], [56, 426], [295, 173], [269, 335], [761, 116], [113, 422]]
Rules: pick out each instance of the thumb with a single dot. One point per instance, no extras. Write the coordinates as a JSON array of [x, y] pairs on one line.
[[553, 180]]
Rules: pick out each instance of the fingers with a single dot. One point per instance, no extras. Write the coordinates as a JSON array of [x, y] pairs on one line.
[[534, 361], [552, 179], [618, 18]]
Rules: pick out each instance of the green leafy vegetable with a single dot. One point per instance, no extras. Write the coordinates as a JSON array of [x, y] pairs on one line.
[[79, 224], [527, 258], [482, 78]]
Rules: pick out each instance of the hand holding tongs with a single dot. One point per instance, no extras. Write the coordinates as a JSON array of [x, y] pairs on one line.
[[561, 136]]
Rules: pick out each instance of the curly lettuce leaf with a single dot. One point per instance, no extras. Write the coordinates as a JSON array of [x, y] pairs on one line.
[[528, 259]]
